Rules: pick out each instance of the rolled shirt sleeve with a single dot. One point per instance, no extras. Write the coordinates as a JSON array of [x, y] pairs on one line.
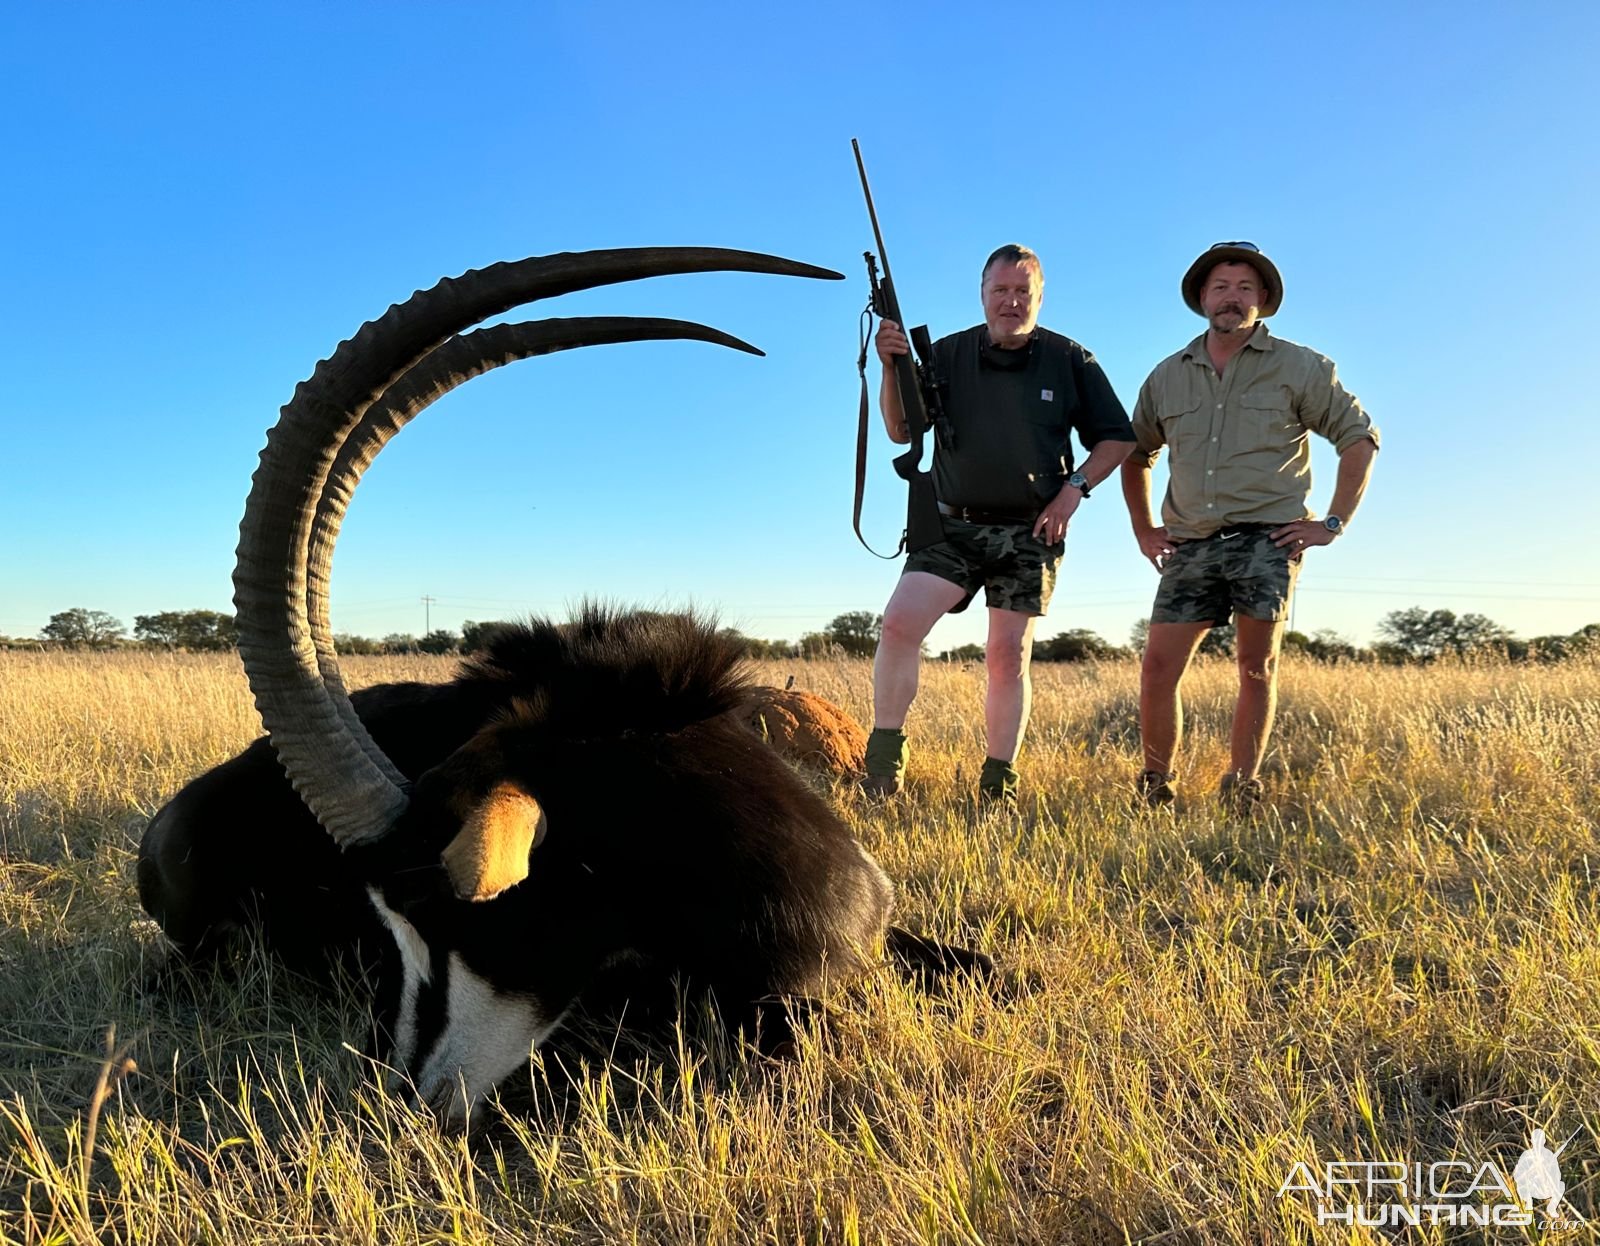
[[1330, 410], [1146, 428]]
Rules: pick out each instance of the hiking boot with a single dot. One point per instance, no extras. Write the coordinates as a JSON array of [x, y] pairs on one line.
[[1153, 789], [1240, 795], [881, 786], [997, 784], [886, 762]]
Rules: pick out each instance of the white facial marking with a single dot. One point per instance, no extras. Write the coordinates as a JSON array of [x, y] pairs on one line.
[[417, 971], [486, 1036]]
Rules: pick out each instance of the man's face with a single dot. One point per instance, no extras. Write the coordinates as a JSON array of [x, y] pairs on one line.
[[1231, 297], [1011, 297]]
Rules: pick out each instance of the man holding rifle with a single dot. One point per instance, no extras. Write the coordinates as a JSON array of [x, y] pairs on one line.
[[1012, 393]]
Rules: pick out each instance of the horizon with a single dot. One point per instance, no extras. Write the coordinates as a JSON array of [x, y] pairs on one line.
[[209, 200], [431, 628]]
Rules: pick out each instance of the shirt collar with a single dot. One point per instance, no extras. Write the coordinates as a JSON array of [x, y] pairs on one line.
[[1259, 340], [998, 356]]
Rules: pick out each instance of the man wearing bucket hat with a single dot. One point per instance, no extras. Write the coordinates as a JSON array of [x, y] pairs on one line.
[[1234, 407]]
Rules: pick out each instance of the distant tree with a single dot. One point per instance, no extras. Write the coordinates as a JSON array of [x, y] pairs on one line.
[[818, 645], [1477, 631], [1139, 635], [964, 653], [187, 629], [754, 647], [77, 628], [1328, 646], [1549, 648], [749, 646], [399, 642], [345, 642], [1415, 633], [856, 633], [439, 641], [1422, 635], [1078, 644], [475, 637], [1558, 648]]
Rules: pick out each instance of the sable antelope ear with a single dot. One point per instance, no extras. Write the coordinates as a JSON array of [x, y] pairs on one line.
[[490, 852]]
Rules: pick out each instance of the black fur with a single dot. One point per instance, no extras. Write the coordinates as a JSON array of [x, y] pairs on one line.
[[676, 837]]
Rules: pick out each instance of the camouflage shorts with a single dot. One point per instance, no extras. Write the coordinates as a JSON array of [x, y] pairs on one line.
[[1016, 570], [1205, 581]]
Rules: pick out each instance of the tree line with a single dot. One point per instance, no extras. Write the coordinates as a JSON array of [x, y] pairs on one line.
[[1414, 635]]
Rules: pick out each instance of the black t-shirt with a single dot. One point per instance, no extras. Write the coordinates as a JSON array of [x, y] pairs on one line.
[[1013, 413]]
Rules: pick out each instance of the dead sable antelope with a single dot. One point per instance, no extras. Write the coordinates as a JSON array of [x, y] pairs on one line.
[[584, 797]]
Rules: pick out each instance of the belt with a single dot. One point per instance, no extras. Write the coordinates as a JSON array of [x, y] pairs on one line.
[[973, 514], [1237, 529]]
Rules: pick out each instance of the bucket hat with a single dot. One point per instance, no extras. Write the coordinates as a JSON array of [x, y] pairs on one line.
[[1234, 253]]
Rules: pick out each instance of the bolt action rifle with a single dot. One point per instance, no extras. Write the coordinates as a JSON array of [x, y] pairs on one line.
[[918, 386]]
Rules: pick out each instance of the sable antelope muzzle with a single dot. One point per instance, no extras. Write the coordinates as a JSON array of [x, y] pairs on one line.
[[586, 797]]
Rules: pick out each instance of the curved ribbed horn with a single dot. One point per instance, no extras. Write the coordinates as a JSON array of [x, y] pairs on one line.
[[457, 361], [352, 796]]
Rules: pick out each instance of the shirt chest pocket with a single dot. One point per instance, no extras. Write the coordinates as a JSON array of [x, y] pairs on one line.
[[1267, 419], [1185, 425], [1047, 401]]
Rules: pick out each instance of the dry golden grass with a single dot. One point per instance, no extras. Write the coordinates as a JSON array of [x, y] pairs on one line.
[[1401, 961]]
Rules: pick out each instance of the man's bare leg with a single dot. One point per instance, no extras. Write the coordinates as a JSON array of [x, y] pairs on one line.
[[918, 602], [1257, 651], [1010, 692], [1167, 653]]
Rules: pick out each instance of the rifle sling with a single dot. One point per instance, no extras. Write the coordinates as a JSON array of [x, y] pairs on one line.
[[915, 454]]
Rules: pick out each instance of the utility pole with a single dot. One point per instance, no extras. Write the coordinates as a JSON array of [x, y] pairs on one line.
[[427, 604]]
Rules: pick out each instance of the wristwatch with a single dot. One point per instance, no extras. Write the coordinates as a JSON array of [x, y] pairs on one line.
[[1333, 524], [1079, 482]]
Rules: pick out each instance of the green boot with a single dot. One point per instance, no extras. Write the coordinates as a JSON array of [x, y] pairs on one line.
[[997, 784], [886, 762]]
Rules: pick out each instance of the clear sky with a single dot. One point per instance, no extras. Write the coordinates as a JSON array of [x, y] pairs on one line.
[[201, 200]]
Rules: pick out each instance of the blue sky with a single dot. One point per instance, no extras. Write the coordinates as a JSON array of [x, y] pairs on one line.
[[202, 200]]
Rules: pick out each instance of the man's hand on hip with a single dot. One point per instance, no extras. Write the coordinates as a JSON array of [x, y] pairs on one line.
[[1300, 534], [1156, 545], [1051, 526]]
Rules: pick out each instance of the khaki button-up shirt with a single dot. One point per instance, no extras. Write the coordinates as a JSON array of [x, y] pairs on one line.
[[1240, 450]]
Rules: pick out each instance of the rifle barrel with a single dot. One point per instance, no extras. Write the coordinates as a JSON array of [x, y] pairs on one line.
[[872, 212]]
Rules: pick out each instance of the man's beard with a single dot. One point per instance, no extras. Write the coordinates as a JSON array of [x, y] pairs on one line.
[[1245, 320]]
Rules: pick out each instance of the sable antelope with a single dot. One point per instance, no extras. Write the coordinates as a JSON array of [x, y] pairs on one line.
[[583, 797]]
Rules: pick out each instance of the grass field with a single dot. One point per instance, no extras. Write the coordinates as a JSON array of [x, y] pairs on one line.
[[1400, 962]]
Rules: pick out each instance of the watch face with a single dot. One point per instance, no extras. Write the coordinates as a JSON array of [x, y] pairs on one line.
[[1333, 523]]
